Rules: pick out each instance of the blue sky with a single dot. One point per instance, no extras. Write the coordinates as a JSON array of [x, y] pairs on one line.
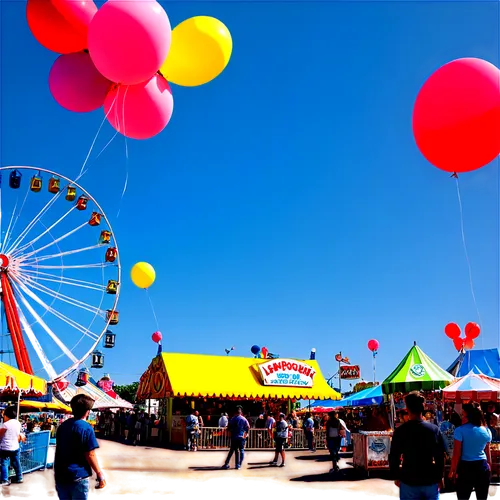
[[286, 204]]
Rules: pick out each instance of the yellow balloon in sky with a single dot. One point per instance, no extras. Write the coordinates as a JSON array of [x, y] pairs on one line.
[[201, 48], [143, 275]]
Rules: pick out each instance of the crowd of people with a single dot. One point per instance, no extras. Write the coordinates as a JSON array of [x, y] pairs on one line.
[[129, 426]]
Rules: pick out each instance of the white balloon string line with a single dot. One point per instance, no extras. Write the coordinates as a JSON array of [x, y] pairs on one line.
[[94, 140], [126, 155], [467, 258], [153, 309]]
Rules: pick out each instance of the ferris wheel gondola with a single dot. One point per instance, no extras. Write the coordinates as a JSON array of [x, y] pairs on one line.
[[59, 272]]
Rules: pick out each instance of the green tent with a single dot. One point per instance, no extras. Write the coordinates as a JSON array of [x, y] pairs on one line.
[[416, 372]]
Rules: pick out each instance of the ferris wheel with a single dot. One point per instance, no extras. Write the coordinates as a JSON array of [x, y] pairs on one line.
[[59, 273]]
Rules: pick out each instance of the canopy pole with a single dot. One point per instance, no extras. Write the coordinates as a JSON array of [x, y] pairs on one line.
[[18, 403], [393, 412]]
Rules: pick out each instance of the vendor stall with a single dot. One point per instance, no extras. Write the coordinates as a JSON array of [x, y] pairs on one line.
[[371, 450], [415, 372], [209, 383]]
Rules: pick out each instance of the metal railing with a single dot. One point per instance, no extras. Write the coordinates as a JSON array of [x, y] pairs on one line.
[[33, 453], [213, 438]]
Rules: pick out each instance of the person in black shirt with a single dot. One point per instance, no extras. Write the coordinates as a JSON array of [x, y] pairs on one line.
[[422, 448]]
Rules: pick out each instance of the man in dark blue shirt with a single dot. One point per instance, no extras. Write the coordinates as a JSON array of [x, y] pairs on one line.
[[239, 427], [75, 453], [422, 447]]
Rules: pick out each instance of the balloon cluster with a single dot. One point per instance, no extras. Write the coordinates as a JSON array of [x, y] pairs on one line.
[[122, 56], [472, 331], [456, 117], [259, 352]]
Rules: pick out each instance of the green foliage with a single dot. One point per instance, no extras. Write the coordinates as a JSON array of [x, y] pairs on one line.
[[127, 392]]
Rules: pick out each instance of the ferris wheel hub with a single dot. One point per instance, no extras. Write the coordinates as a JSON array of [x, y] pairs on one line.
[[4, 261]]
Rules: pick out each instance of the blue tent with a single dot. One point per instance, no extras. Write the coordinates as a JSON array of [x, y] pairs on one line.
[[368, 397], [479, 361]]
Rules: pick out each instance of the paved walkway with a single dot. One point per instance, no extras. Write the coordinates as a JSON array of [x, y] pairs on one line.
[[140, 472]]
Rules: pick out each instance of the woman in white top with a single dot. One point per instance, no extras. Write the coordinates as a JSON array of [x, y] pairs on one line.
[[10, 436]]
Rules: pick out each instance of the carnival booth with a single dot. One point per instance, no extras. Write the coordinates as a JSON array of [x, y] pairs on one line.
[[16, 385], [416, 372], [209, 384]]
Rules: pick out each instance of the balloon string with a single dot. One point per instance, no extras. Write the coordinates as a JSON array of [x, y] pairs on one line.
[[153, 309], [95, 139], [467, 256], [126, 156]]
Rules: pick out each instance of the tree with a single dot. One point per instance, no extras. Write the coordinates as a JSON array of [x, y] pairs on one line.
[[127, 392]]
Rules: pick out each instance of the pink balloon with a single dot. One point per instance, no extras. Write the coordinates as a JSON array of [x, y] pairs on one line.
[[129, 40], [373, 345], [78, 14], [140, 111], [76, 84]]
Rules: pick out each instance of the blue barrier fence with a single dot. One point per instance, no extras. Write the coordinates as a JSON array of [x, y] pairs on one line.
[[33, 452]]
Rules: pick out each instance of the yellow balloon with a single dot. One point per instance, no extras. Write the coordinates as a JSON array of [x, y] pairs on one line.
[[200, 50], [143, 275]]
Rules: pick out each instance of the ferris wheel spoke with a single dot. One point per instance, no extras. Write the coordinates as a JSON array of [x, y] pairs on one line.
[[41, 276], [56, 241], [56, 313], [19, 250], [69, 300], [30, 261], [97, 265], [30, 226], [40, 321]]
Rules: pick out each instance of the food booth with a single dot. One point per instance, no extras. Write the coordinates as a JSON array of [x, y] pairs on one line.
[[213, 384], [15, 386], [416, 372]]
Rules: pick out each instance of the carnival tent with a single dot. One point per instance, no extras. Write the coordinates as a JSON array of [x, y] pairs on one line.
[[102, 400], [416, 372], [14, 381], [475, 387], [55, 406], [480, 361], [368, 397], [198, 375]]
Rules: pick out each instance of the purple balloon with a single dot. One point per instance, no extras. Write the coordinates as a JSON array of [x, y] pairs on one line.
[[76, 84]]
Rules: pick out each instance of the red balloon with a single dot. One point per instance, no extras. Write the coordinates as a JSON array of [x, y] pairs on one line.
[[469, 344], [156, 337], [456, 117], [458, 343], [373, 345], [452, 330], [472, 330], [78, 14], [52, 29]]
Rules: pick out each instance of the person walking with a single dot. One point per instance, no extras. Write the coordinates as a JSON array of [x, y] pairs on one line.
[[281, 435], [192, 427], [422, 447], [471, 462], [10, 436], [335, 431], [308, 427], [75, 453], [239, 427]]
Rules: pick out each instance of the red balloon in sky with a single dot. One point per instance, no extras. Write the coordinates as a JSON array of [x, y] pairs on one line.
[[452, 330], [469, 344], [456, 117], [472, 330], [156, 337], [373, 345], [458, 343], [52, 29]]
